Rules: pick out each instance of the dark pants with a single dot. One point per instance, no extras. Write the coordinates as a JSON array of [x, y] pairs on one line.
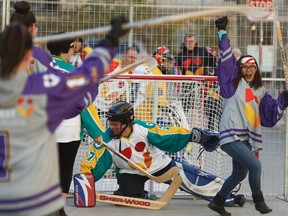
[[244, 161], [132, 185], [67, 155]]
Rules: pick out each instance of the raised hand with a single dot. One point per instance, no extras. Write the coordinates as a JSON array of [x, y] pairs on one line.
[[117, 31], [221, 23]]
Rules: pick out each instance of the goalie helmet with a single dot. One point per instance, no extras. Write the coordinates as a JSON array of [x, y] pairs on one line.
[[121, 111], [163, 54]]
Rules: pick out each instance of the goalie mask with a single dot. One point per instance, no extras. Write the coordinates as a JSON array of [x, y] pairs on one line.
[[165, 60], [121, 112]]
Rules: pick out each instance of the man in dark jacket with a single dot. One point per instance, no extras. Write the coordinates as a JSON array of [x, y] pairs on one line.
[[195, 60]]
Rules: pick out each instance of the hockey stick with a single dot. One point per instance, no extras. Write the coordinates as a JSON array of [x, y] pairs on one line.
[[243, 9], [282, 51], [171, 173], [143, 203], [150, 61]]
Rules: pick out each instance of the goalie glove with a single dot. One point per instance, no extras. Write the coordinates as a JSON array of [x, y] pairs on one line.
[[208, 139]]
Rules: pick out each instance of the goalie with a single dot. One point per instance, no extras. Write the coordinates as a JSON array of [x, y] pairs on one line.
[[144, 144]]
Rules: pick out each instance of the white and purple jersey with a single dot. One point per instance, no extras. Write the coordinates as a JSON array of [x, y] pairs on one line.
[[29, 115], [41, 61], [245, 109]]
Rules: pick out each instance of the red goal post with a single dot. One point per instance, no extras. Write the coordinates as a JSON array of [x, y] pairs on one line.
[[167, 77]]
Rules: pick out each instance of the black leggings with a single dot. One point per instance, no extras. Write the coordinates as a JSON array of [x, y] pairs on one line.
[[132, 185], [67, 155]]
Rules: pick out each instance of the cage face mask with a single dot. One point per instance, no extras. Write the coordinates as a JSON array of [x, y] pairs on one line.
[[165, 60], [122, 112]]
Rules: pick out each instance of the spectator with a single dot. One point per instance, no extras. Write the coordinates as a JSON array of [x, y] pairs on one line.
[[113, 91], [80, 52], [196, 60], [166, 61], [145, 95], [70, 132], [128, 57]]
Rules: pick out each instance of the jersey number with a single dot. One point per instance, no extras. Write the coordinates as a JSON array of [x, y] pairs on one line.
[[91, 155], [4, 155]]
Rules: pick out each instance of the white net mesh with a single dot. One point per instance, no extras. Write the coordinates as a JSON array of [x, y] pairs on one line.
[[187, 103], [254, 37]]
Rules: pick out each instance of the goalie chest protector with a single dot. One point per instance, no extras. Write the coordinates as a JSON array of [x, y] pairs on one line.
[[84, 190]]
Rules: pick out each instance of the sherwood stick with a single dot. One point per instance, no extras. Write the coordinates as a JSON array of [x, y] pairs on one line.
[[150, 61], [242, 9], [142, 203], [171, 173], [283, 54], [130, 201]]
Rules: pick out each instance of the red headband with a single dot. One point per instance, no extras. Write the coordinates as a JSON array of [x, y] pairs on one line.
[[250, 60]]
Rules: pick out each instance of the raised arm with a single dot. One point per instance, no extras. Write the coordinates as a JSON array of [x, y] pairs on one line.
[[68, 94], [227, 70]]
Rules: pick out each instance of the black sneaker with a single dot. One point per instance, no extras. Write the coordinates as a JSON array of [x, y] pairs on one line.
[[240, 199], [219, 209], [262, 208]]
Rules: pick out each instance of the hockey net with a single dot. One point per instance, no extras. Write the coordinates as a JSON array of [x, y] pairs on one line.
[[187, 101]]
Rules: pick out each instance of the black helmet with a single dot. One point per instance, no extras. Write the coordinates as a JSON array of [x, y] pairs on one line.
[[121, 111]]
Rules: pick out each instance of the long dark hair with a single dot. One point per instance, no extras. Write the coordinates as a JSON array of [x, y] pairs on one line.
[[15, 42], [23, 14], [257, 81]]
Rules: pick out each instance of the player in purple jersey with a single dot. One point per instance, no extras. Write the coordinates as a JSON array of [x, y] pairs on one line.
[[31, 108], [246, 107]]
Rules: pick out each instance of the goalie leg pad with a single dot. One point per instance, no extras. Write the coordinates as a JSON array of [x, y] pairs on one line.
[[84, 190], [205, 185]]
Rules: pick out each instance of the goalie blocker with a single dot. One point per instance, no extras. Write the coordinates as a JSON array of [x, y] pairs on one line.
[[208, 139]]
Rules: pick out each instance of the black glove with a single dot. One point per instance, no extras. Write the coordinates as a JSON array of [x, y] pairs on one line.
[[112, 38], [208, 139], [221, 23]]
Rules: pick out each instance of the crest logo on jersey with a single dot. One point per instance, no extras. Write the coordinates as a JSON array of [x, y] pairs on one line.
[[50, 80], [77, 81], [25, 107], [31, 66]]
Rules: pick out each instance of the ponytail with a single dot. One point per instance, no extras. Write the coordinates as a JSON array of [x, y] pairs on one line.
[[15, 42]]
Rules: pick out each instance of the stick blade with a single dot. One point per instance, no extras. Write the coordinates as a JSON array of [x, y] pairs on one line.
[[130, 201], [171, 173], [171, 190]]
